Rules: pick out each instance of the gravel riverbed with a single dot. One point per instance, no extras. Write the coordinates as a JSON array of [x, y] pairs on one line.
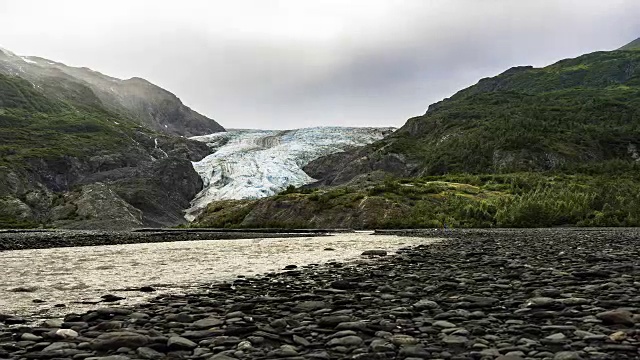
[[507, 295], [51, 282]]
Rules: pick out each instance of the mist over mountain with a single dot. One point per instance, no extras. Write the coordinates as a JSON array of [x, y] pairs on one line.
[[136, 98]]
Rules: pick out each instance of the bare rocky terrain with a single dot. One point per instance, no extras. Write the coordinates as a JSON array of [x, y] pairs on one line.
[[508, 295]]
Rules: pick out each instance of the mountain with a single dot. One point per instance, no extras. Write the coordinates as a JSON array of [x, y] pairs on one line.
[[574, 113], [634, 45], [252, 164], [135, 98], [70, 159], [531, 147]]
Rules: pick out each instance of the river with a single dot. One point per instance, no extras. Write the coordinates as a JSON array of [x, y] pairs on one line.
[[46, 283]]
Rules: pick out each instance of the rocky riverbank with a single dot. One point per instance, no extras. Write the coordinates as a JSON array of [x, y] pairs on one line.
[[504, 295], [80, 279], [47, 239]]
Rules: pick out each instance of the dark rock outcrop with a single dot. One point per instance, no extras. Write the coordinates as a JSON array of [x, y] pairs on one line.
[[117, 191]]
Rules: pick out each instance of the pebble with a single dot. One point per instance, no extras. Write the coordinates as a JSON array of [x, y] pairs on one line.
[[374, 253], [621, 317], [444, 324], [351, 340]]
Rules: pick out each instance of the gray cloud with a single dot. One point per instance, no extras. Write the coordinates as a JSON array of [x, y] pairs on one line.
[[291, 63]]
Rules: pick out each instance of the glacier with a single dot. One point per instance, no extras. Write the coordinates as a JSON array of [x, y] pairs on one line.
[[252, 164]]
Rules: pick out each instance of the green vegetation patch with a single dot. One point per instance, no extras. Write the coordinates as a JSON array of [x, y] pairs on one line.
[[467, 200], [34, 126]]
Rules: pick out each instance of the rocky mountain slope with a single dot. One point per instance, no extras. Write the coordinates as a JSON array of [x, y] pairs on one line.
[[68, 159], [135, 98], [577, 112], [251, 164]]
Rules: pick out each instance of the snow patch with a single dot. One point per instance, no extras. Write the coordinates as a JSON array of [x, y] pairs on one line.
[[27, 60], [252, 164]]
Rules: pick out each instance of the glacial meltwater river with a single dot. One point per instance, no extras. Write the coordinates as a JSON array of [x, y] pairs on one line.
[[46, 283]]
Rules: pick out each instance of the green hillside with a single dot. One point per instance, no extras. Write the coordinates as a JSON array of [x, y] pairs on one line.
[[506, 200], [36, 127], [577, 113]]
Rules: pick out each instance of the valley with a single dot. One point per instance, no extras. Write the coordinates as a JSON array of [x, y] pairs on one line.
[[252, 164], [531, 147], [499, 222]]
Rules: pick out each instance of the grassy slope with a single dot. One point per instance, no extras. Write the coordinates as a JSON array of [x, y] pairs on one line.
[[582, 110], [634, 45], [508, 200], [34, 126]]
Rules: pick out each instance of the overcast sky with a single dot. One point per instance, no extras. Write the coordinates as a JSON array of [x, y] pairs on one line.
[[297, 63]]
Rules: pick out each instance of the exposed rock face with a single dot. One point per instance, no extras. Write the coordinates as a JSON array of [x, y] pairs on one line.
[[15, 208], [361, 162], [99, 207], [161, 190], [137, 98], [145, 199], [118, 190]]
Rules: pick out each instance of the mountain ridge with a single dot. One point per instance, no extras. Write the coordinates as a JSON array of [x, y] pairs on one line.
[[575, 111], [135, 97], [634, 45]]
